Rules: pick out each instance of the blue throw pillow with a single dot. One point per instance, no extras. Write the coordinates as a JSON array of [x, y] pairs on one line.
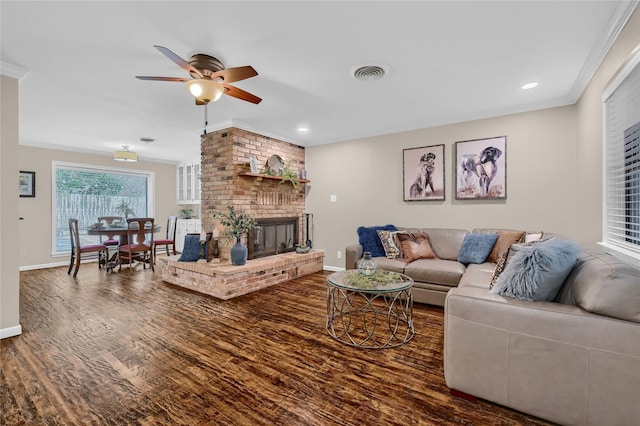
[[370, 241], [191, 249], [476, 248], [537, 272]]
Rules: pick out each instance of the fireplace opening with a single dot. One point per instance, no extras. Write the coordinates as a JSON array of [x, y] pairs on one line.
[[272, 236]]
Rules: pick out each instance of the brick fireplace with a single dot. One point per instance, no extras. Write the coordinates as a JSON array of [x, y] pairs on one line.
[[225, 155], [278, 206]]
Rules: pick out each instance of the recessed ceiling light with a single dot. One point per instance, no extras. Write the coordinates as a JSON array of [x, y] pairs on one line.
[[530, 85], [303, 129]]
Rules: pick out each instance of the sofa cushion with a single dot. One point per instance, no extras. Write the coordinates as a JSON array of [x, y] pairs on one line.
[[537, 271], [478, 275], [369, 240], [476, 248], [446, 243], [436, 271], [394, 265], [415, 246], [603, 284]]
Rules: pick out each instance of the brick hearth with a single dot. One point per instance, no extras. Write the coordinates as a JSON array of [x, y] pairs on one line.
[[225, 281]]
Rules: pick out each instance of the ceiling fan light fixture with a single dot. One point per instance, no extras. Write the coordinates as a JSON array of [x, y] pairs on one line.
[[205, 90], [125, 155]]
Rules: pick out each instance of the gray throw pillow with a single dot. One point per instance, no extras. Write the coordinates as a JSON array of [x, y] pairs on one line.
[[538, 271], [476, 247]]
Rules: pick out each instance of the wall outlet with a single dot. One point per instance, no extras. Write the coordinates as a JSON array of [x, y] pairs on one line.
[[333, 198], [23, 253], [339, 254]]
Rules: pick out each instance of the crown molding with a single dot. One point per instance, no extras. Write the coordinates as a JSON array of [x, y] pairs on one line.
[[14, 71], [618, 20]]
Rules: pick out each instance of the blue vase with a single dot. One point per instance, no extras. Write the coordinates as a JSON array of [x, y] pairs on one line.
[[238, 253]]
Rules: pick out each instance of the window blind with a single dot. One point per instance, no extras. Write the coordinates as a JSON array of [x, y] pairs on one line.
[[622, 161]]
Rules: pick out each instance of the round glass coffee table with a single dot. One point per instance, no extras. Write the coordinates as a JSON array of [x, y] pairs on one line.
[[367, 313]]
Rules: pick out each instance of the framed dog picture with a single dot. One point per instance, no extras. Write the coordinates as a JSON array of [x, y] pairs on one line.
[[423, 173], [481, 169]]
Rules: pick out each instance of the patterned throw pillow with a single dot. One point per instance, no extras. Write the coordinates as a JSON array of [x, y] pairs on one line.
[[388, 240], [415, 245]]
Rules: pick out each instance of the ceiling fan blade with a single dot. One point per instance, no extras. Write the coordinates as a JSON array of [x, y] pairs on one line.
[[178, 60], [230, 75], [240, 94], [143, 77]]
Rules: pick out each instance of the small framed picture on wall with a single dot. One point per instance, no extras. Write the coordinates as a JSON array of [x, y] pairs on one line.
[[27, 184], [481, 169], [423, 173]]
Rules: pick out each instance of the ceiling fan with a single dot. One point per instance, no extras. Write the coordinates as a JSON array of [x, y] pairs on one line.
[[209, 77]]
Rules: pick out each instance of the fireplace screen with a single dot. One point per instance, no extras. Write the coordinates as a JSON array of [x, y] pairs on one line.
[[273, 236]]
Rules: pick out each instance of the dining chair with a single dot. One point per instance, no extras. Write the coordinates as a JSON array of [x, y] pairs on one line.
[[108, 220], [170, 239], [138, 247], [77, 249]]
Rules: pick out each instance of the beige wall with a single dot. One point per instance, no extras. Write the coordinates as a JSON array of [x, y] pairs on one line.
[[366, 177], [37, 212], [9, 275], [554, 178]]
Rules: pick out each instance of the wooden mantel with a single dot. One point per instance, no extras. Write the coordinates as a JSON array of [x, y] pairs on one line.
[[259, 175]]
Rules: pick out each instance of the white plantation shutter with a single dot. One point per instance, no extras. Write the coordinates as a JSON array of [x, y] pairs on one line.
[[622, 162]]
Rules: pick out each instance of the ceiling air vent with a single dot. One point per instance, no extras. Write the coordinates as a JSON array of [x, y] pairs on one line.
[[368, 72]]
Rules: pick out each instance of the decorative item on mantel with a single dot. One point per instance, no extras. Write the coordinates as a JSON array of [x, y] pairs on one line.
[[236, 225], [203, 241], [216, 247]]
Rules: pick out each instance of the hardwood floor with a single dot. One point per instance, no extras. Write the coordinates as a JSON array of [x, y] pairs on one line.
[[126, 348]]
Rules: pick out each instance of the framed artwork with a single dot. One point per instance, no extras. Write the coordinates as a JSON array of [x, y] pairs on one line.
[[481, 169], [27, 184], [253, 165], [423, 173]]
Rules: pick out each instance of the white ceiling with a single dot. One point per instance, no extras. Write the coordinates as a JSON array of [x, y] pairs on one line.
[[448, 62]]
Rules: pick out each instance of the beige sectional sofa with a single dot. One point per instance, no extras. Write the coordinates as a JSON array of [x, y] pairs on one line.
[[574, 360], [433, 278]]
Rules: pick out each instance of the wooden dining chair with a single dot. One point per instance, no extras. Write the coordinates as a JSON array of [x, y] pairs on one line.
[[77, 249], [138, 247], [108, 220], [170, 239]]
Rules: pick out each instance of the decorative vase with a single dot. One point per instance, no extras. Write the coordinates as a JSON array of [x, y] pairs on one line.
[[367, 266], [238, 253]]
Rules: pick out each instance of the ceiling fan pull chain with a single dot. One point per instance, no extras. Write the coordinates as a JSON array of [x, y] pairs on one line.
[[205, 119]]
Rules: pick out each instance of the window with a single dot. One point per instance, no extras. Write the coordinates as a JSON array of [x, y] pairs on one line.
[[621, 230], [88, 192]]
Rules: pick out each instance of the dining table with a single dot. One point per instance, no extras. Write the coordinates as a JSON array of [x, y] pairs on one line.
[[111, 231]]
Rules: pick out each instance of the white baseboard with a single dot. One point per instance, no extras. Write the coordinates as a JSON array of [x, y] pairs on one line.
[[332, 268], [44, 266], [10, 332]]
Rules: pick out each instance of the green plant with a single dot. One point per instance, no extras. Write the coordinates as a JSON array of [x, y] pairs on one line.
[[236, 223], [289, 175], [186, 212]]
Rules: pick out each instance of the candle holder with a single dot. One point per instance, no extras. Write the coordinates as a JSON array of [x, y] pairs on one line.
[[216, 249], [204, 240]]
